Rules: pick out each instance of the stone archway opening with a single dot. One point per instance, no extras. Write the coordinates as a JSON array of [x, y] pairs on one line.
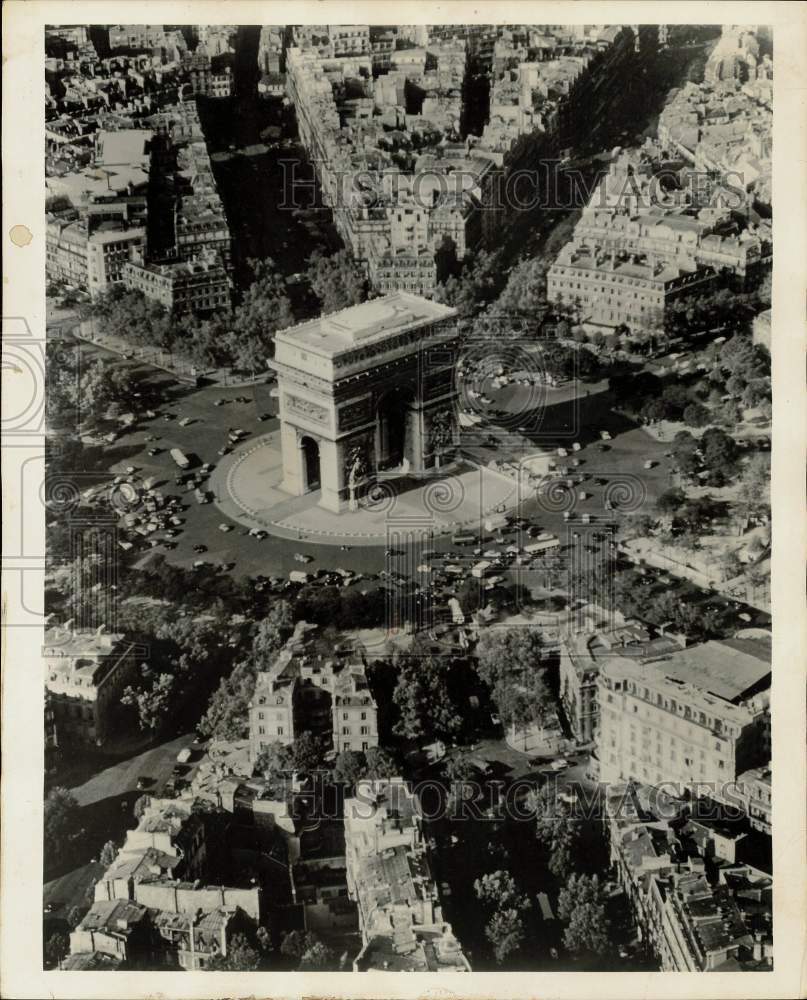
[[311, 464], [394, 429]]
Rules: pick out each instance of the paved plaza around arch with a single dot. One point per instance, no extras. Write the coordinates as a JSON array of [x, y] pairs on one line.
[[247, 487]]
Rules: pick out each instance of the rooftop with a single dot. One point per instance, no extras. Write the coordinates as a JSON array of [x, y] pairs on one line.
[[727, 668], [369, 322], [128, 147], [114, 915]]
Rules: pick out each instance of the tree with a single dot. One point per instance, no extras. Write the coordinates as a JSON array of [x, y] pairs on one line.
[[307, 753], [61, 825], [427, 706], [265, 309], [498, 890], [274, 762], [335, 280], [696, 514], [101, 385], [108, 853], [272, 632], [720, 455], [318, 956], [753, 495], [505, 931], [294, 944], [556, 829], [308, 951], [227, 715], [653, 410], [380, 763], [154, 698], [509, 662], [241, 957], [580, 906], [696, 415], [459, 768], [525, 291], [57, 945], [349, 767]]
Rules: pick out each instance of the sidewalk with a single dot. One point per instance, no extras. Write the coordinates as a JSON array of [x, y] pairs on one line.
[[164, 360]]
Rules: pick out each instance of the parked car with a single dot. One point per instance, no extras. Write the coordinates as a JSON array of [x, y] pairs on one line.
[[143, 782]]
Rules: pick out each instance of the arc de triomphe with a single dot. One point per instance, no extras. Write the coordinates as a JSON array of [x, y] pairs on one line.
[[366, 392]]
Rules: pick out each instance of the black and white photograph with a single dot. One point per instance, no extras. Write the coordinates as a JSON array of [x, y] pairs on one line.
[[405, 468]]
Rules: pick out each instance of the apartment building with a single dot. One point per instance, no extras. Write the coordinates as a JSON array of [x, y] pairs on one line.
[[66, 251], [581, 653], [621, 288], [754, 788], [270, 49], [200, 221], [119, 929], [389, 876], [696, 910], [306, 692], [85, 673], [136, 36], [207, 82], [635, 249], [199, 285], [698, 715], [110, 245]]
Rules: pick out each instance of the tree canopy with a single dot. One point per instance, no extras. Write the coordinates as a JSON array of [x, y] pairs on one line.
[[336, 280], [581, 907], [62, 825]]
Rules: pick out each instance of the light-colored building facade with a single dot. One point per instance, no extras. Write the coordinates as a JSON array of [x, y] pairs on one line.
[[636, 248], [199, 285], [306, 692], [699, 715], [755, 789], [85, 673]]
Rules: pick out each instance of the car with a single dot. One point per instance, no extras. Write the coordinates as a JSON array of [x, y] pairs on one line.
[[560, 764], [154, 451], [200, 548], [143, 782], [184, 421], [225, 527], [223, 451]]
